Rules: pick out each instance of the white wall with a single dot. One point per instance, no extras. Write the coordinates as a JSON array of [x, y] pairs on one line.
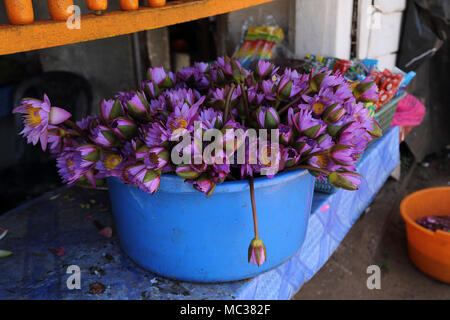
[[323, 27], [379, 30]]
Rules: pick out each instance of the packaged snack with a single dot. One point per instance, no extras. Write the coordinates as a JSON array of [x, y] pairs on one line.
[[259, 43]]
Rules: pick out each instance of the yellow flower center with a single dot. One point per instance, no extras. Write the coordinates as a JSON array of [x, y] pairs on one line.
[[179, 124], [321, 161], [112, 161], [33, 118], [154, 157], [318, 107], [266, 156]]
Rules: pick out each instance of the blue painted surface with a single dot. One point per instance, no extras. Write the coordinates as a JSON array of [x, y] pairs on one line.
[[48, 222], [181, 234]]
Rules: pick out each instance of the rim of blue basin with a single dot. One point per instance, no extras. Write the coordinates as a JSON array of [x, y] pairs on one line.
[[176, 184]]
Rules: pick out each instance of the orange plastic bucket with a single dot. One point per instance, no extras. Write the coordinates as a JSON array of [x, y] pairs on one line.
[[429, 250]]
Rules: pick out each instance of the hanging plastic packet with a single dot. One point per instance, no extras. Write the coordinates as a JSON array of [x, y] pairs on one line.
[[388, 84], [407, 77], [258, 43]]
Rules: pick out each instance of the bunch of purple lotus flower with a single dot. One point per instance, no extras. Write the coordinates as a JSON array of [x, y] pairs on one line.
[[319, 120]]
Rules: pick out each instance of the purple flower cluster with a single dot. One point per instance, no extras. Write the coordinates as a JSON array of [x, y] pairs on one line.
[[320, 121], [435, 223]]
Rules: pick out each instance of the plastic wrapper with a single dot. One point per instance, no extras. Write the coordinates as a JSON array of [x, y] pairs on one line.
[[410, 112], [258, 43]]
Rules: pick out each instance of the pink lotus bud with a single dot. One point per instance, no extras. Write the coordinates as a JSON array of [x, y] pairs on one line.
[[257, 252]]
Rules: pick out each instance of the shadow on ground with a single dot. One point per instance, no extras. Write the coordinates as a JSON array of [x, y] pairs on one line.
[[379, 237]]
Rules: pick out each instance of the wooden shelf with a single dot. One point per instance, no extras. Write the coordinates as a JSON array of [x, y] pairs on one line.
[[49, 33]]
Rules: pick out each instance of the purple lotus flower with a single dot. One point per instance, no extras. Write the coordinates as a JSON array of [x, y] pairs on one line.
[[159, 77], [211, 118], [304, 146], [110, 164], [286, 89], [69, 166], [319, 161], [345, 180], [285, 133], [342, 154], [269, 89], [156, 134], [251, 164], [269, 158], [125, 128], [305, 123], [187, 172], [289, 157], [156, 158], [59, 138], [104, 136], [255, 98], [183, 118], [267, 118], [204, 184], [146, 179], [355, 136], [257, 252], [150, 89], [181, 96], [195, 75], [138, 106], [324, 79], [325, 142], [110, 109], [264, 69], [333, 113], [90, 154], [366, 91], [38, 115], [218, 97]]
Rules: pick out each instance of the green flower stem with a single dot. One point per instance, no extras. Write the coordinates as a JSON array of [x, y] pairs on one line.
[[286, 107], [252, 197], [244, 94], [72, 124], [227, 103]]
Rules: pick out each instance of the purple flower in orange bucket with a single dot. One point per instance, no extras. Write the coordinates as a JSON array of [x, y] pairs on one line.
[[257, 252], [38, 115]]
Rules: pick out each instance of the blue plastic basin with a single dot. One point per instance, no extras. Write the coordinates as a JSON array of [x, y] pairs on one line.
[[179, 233]]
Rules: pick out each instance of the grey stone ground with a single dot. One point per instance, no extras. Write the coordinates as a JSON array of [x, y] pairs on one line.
[[379, 237]]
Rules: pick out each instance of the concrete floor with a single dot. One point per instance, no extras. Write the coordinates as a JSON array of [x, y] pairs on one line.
[[379, 238]]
